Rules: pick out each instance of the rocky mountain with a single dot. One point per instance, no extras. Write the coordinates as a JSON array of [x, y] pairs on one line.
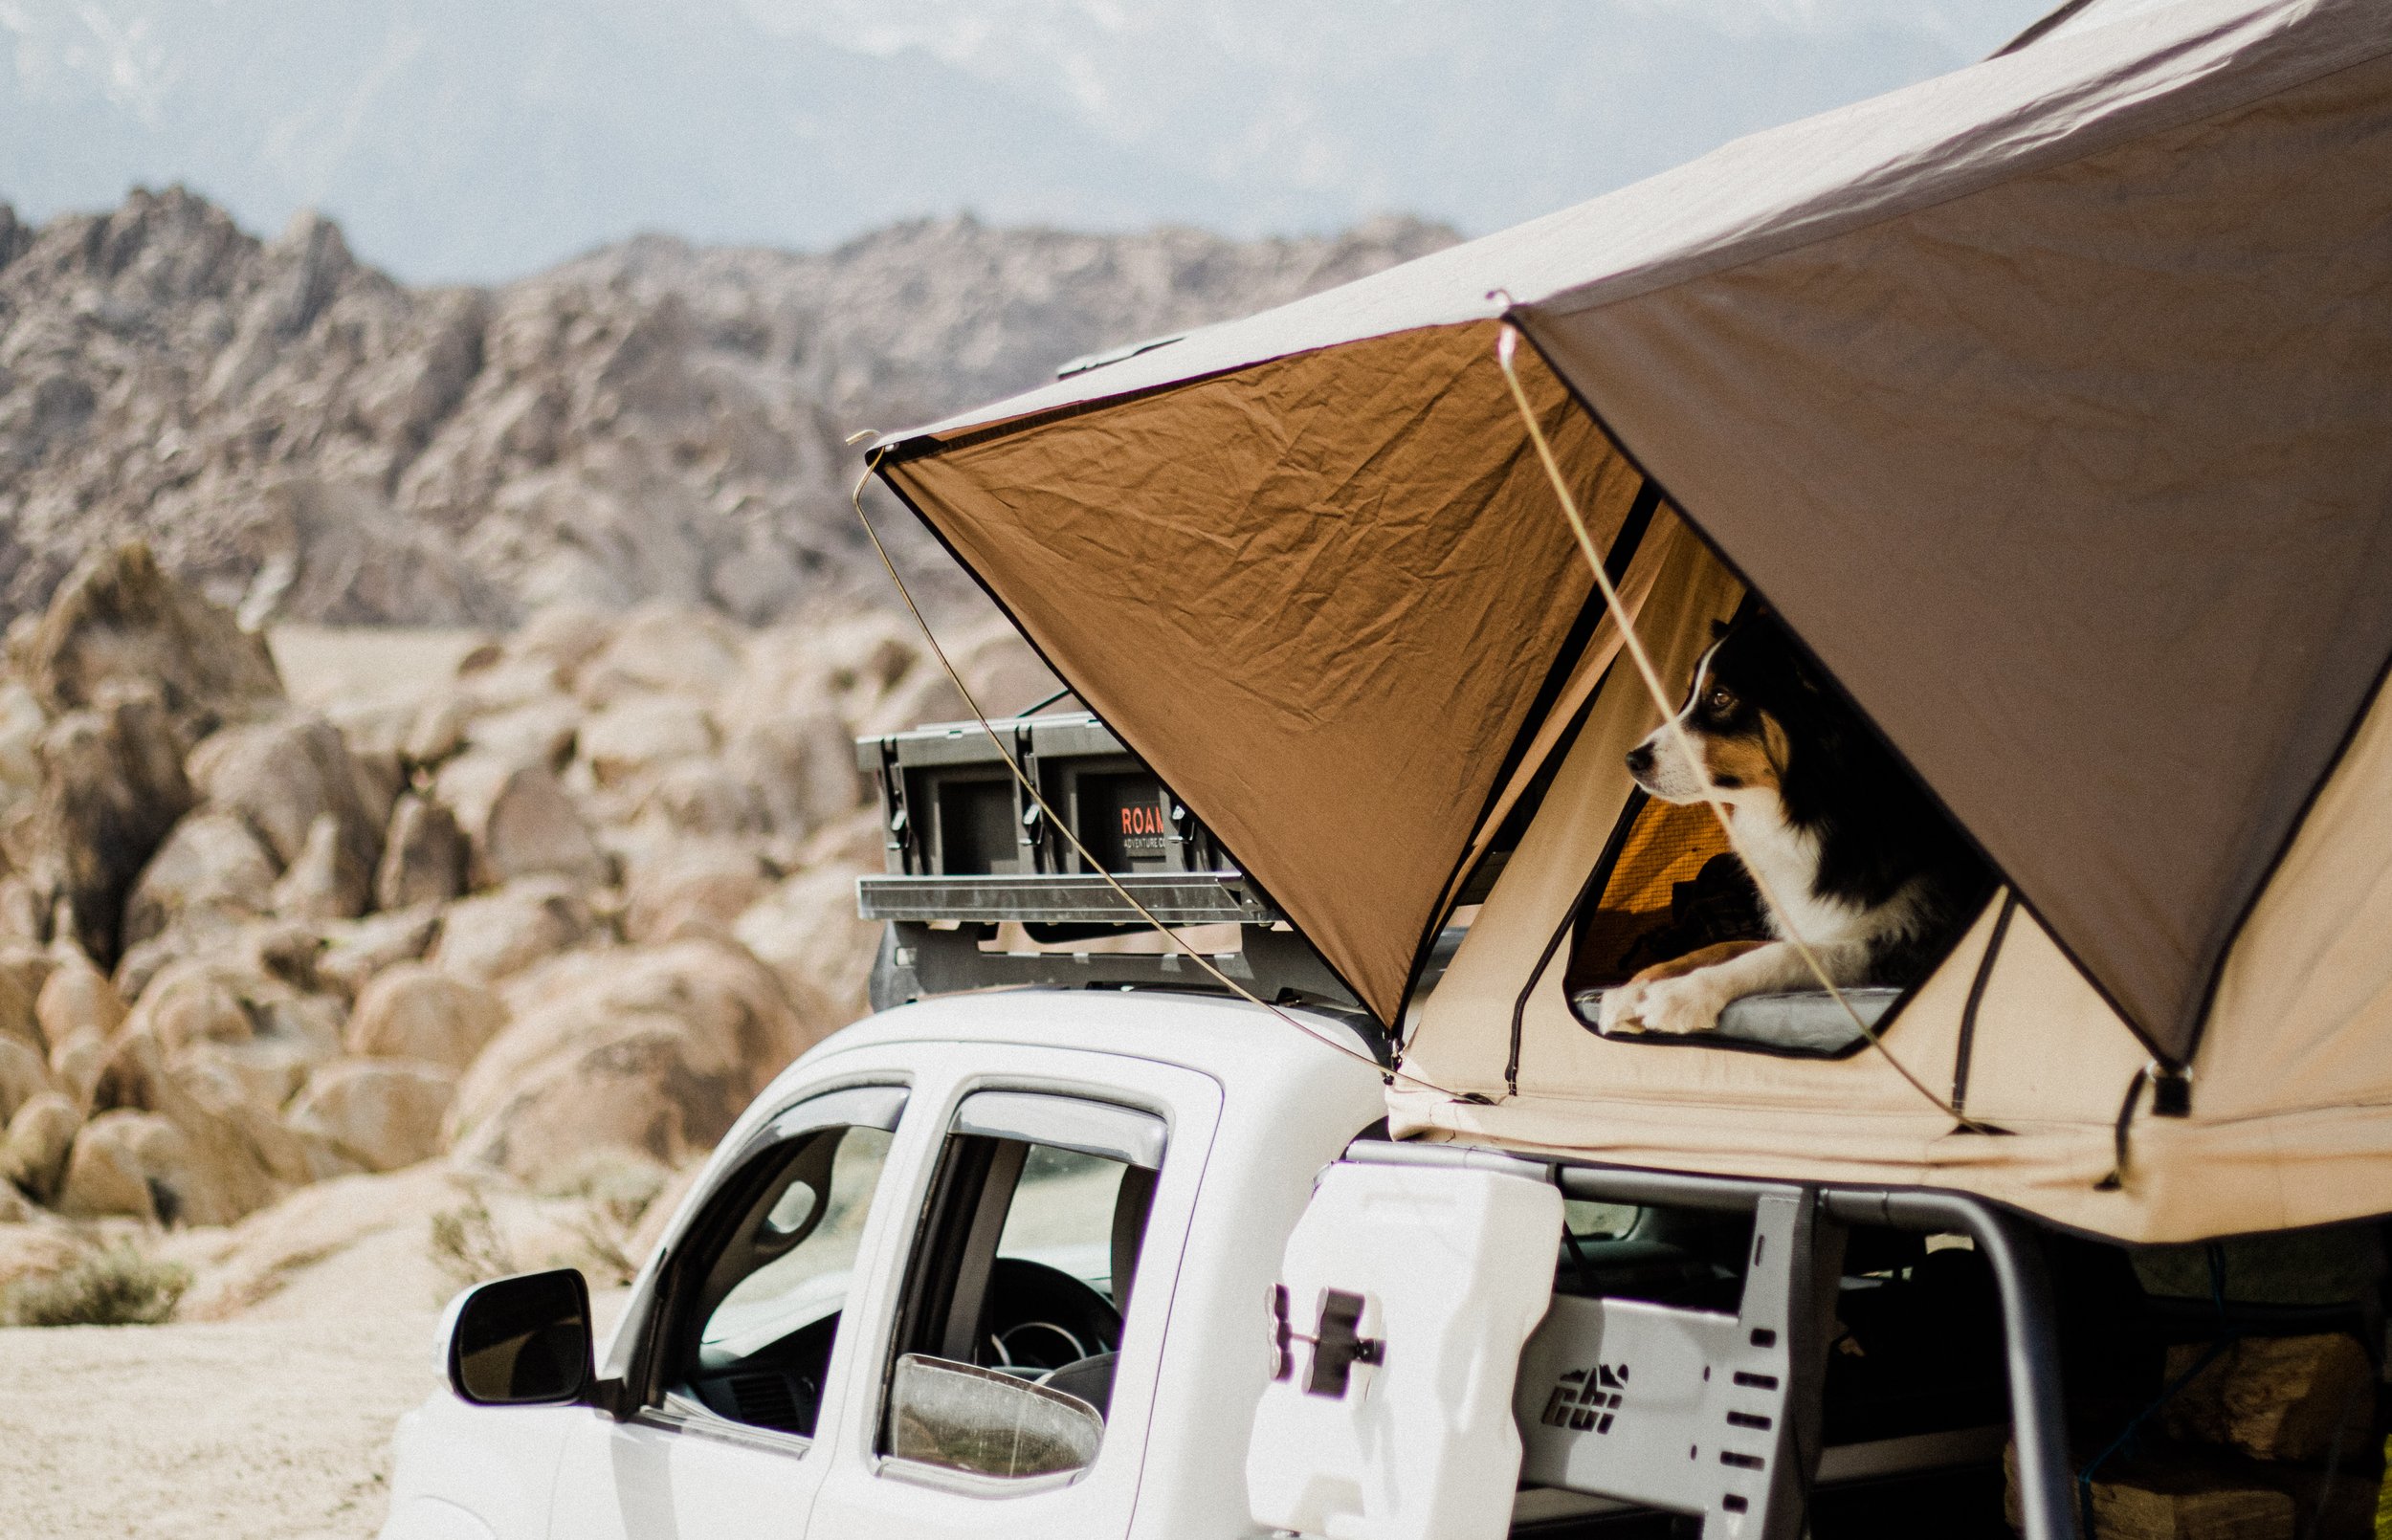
[[301, 437]]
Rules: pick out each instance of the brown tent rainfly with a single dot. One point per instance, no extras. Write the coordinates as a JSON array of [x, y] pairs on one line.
[[2049, 401]]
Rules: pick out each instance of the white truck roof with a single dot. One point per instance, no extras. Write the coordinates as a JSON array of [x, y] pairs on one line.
[[1239, 1044]]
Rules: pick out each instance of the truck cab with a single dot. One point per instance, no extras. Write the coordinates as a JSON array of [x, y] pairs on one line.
[[912, 1264]]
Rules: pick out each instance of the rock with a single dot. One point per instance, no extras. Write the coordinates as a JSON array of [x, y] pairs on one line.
[[658, 1217], [21, 724], [29, 968], [242, 1089], [376, 726], [488, 937], [286, 951], [75, 1066], [325, 882], [354, 952], [436, 732], [869, 655], [381, 775], [663, 649], [38, 1139], [261, 1073], [383, 1113], [411, 1011], [141, 1164], [23, 909], [924, 695], [564, 637], [712, 883], [118, 618], [210, 859], [20, 1019], [423, 857], [856, 844], [112, 787], [638, 733], [233, 1000], [1005, 673], [705, 798], [520, 823], [77, 1000], [354, 1243], [807, 931], [650, 1051], [208, 931], [196, 1000], [282, 776], [2278, 1399], [803, 769], [30, 1250], [23, 1074], [139, 1078], [539, 733]]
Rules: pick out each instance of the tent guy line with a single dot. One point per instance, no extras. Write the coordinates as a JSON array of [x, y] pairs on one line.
[[1390, 1072], [1507, 342]]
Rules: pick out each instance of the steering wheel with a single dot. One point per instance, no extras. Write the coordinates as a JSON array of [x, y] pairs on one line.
[[1041, 1317]]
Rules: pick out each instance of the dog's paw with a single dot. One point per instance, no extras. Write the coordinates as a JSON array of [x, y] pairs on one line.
[[1619, 1005], [1678, 1006]]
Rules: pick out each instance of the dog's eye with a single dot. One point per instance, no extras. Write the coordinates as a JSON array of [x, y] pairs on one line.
[[1721, 701]]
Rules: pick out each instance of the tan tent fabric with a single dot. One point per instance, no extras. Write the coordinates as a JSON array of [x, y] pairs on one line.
[[2050, 401], [1318, 633], [2125, 646], [2291, 1114], [1922, 341]]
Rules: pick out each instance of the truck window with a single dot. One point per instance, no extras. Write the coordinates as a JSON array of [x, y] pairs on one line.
[[756, 1300], [1025, 1261]]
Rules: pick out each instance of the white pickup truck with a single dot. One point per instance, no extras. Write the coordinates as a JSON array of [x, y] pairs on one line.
[[1068, 1248], [997, 1264]]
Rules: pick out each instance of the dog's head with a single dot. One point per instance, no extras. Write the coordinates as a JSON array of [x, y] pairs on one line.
[[1748, 691]]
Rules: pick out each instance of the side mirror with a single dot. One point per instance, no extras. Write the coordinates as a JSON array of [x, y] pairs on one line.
[[522, 1341]]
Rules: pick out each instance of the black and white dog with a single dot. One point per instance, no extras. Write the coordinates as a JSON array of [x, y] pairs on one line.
[[1868, 870]]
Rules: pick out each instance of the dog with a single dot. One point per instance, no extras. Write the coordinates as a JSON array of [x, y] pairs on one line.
[[1861, 864]]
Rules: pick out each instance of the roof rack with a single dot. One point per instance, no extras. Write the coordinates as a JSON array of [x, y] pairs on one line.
[[980, 893]]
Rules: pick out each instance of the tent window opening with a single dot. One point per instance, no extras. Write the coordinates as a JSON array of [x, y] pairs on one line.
[[1672, 886]]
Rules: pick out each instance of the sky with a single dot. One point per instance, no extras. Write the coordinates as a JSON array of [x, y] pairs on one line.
[[478, 140]]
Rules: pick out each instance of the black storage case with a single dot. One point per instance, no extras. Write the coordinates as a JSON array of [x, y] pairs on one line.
[[968, 850]]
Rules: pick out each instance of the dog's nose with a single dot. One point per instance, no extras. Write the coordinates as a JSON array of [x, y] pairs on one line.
[[1640, 760]]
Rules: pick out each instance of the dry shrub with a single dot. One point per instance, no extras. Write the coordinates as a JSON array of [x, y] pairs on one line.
[[615, 1190], [466, 1245], [110, 1286]]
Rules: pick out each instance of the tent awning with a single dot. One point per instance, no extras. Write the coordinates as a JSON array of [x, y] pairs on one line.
[[2050, 401]]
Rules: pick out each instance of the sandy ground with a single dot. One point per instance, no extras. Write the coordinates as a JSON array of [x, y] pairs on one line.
[[256, 1429], [321, 664], [271, 1421]]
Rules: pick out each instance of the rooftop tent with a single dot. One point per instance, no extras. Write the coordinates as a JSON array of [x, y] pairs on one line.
[[2049, 401]]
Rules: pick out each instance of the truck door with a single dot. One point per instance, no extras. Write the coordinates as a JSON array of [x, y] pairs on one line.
[[1018, 1376], [744, 1342]]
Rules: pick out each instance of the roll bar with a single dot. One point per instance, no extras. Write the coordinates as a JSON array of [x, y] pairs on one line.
[[2030, 1331]]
